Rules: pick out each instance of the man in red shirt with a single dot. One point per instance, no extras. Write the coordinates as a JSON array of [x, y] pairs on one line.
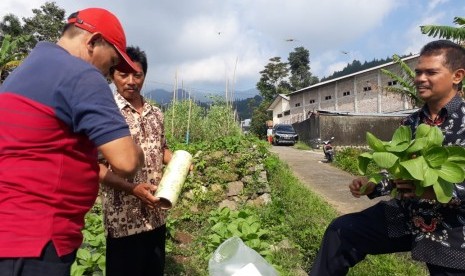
[[56, 111]]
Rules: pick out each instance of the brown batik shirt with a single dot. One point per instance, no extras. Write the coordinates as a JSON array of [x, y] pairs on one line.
[[124, 214]]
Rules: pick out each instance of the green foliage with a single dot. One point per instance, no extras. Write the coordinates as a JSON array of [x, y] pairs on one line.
[[259, 117], [406, 82], [187, 119], [346, 159], [10, 53], [273, 79], [423, 160], [243, 224], [299, 65], [454, 33], [90, 258], [46, 24]]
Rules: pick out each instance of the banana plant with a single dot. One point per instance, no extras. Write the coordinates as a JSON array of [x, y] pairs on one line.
[[10, 54], [424, 160]]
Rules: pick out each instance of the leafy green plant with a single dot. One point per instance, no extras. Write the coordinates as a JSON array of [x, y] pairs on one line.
[[424, 160], [90, 258], [243, 224]]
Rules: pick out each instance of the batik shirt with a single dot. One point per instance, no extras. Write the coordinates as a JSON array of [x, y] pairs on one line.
[[125, 214], [438, 229]]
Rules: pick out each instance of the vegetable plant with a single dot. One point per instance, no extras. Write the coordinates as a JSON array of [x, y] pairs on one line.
[[422, 159]]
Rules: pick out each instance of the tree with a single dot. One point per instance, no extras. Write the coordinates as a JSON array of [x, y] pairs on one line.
[[406, 83], [299, 65], [259, 117], [273, 79], [46, 24], [453, 33], [11, 25]]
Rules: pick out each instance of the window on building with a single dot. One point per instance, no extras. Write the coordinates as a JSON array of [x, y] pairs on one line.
[[312, 101], [297, 104], [347, 93], [280, 115], [367, 88], [392, 83], [327, 98], [287, 113]]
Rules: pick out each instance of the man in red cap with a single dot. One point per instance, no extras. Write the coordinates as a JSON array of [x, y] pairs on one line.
[[56, 112]]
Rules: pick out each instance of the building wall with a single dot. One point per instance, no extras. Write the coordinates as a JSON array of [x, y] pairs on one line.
[[280, 111], [347, 130], [361, 93]]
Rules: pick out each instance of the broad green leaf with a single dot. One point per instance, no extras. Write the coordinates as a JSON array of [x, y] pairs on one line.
[[400, 172], [402, 146], [456, 155], [417, 144], [363, 161], [422, 131], [430, 178], [402, 134], [435, 137], [443, 191], [83, 254], [415, 167], [374, 143], [419, 190], [451, 172], [436, 156], [385, 160]]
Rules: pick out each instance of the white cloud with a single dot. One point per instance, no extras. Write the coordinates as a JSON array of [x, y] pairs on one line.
[[183, 35]]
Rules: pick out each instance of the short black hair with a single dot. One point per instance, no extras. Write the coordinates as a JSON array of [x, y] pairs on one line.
[[454, 54], [137, 55]]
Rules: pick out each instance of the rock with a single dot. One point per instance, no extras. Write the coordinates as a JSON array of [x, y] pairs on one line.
[[183, 237], [263, 199], [228, 203], [216, 188], [235, 188]]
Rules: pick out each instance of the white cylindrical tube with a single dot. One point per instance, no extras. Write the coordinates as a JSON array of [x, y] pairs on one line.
[[173, 178]]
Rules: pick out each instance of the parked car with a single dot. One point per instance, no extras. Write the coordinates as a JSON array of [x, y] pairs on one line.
[[284, 134]]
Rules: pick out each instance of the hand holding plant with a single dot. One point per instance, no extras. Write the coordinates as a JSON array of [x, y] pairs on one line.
[[423, 160]]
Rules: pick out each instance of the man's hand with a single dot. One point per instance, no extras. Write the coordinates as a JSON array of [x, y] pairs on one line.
[[144, 192], [356, 187]]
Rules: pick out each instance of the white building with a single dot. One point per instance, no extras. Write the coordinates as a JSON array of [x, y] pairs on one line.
[[360, 92]]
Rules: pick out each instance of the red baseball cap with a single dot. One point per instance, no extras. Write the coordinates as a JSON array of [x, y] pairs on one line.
[[102, 21]]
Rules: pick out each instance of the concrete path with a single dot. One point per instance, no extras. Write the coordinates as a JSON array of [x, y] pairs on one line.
[[324, 179]]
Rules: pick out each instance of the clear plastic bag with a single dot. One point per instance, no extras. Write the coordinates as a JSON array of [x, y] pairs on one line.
[[234, 258]]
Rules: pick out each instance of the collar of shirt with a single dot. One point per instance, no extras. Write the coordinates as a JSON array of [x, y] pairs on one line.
[[122, 103], [449, 108]]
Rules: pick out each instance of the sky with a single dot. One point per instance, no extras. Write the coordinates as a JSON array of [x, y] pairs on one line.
[[208, 46]]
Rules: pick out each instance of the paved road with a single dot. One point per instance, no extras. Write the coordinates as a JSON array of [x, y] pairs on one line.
[[322, 178]]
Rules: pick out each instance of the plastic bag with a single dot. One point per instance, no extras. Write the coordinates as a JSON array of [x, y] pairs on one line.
[[234, 258]]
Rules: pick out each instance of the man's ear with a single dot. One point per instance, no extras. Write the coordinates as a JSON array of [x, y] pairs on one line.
[[92, 40], [459, 74]]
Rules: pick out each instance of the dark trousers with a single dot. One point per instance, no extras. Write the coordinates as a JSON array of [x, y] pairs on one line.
[[349, 238], [137, 255], [48, 264]]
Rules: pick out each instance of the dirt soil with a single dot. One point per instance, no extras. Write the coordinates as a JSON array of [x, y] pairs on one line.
[[322, 178]]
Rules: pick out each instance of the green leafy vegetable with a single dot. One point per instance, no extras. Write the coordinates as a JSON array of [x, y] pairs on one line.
[[424, 160]]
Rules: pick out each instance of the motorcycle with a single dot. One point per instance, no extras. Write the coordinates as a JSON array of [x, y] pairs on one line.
[[328, 150]]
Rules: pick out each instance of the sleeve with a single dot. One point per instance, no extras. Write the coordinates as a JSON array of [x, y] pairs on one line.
[[384, 187], [89, 108]]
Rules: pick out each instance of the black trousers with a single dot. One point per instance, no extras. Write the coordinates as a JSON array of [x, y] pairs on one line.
[[137, 255], [48, 264], [349, 238]]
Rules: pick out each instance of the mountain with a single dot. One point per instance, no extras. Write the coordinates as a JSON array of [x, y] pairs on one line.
[[162, 96]]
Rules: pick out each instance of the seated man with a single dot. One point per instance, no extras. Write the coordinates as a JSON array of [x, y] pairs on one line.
[[432, 231]]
